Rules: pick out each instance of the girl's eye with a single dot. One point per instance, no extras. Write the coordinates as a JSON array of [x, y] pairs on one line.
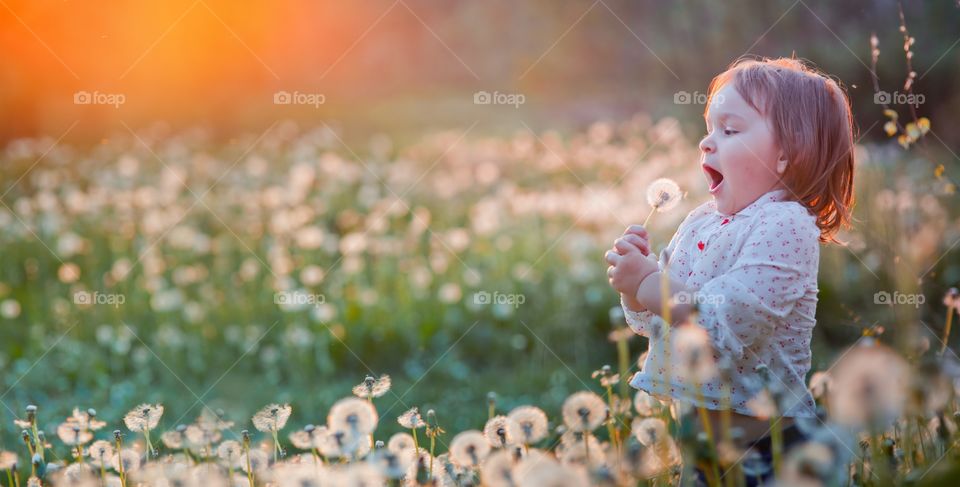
[[729, 131]]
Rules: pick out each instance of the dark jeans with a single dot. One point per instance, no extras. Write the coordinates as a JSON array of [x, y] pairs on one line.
[[792, 436]]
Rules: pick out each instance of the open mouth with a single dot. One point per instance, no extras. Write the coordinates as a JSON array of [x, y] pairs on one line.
[[715, 177]]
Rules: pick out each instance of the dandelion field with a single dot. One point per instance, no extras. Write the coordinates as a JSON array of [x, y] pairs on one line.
[[376, 287], [311, 251]]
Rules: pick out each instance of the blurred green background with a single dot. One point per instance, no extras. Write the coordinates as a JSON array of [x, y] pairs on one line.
[[202, 199]]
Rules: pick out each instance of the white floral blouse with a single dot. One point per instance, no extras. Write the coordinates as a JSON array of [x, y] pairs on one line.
[[753, 275]]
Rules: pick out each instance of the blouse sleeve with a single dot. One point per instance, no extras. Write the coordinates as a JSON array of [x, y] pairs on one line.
[[777, 263]]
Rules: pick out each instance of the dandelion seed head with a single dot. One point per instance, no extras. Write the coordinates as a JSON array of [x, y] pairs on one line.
[[400, 442], [231, 452], [201, 437], [100, 452], [497, 469], [553, 474], [372, 387], [584, 411], [577, 454], [869, 386], [645, 404], [258, 459], [411, 419], [501, 431], [692, 348], [302, 439], [469, 448], [130, 459], [73, 433], [663, 194], [353, 414], [532, 421], [173, 439], [272, 418], [650, 431], [8, 460], [143, 417], [87, 419]]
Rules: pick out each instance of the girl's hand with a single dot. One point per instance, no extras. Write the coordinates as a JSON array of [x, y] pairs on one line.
[[629, 265], [637, 235]]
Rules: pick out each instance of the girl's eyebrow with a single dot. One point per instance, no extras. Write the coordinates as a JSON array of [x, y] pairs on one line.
[[723, 116]]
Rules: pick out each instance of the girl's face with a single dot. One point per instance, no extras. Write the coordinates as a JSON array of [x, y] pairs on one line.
[[741, 158]]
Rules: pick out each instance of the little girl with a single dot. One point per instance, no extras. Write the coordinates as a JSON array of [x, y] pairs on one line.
[[778, 157]]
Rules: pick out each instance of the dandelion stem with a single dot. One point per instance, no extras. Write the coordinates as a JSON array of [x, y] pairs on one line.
[[776, 442], [647, 219], [10, 478], [146, 436], [708, 428], [249, 466], [586, 448], [623, 361], [416, 445], [946, 330], [36, 437], [612, 429], [923, 445], [433, 441], [276, 446]]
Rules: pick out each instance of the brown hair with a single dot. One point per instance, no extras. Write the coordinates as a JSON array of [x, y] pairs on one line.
[[811, 120]]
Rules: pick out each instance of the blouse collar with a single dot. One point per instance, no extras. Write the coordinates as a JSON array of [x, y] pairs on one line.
[[771, 196]]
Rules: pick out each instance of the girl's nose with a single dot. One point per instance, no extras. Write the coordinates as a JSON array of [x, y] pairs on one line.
[[706, 145]]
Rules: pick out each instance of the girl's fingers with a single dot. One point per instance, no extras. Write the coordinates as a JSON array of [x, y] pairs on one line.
[[640, 242], [610, 271], [636, 230], [612, 257], [623, 247]]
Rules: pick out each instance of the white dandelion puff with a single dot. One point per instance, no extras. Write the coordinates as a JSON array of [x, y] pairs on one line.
[[400, 442], [411, 419], [353, 414], [469, 449], [130, 459], [73, 433], [532, 421], [870, 385], [272, 418], [584, 411], [501, 431], [143, 417], [371, 387], [662, 195]]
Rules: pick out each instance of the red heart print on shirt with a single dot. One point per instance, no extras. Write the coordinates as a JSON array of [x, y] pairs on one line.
[[700, 245]]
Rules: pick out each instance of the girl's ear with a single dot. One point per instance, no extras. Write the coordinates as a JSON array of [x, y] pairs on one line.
[[781, 164]]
